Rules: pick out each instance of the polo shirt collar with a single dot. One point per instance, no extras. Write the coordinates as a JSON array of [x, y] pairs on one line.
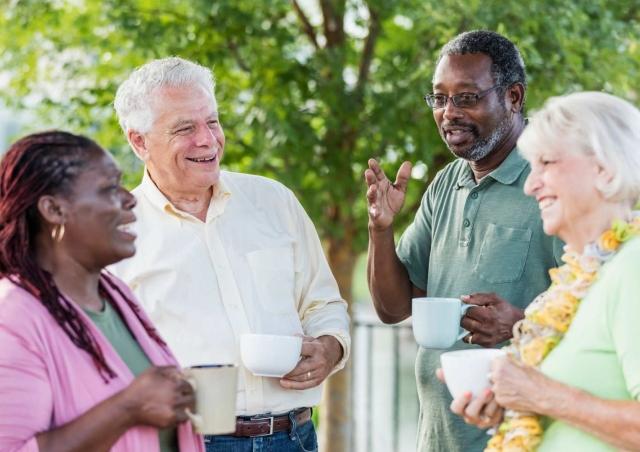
[[507, 173], [221, 193]]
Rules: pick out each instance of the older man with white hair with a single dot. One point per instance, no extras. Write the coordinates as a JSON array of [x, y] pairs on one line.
[[221, 254]]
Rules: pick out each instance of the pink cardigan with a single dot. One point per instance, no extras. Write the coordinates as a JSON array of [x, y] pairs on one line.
[[47, 381]]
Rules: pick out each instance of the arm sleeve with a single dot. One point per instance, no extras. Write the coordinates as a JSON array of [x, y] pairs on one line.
[[26, 400], [414, 246], [624, 314], [321, 309]]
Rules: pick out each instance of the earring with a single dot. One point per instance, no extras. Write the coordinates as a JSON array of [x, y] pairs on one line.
[[57, 233]]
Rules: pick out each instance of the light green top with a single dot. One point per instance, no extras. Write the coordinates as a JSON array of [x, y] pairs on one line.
[[467, 238], [599, 353], [117, 333]]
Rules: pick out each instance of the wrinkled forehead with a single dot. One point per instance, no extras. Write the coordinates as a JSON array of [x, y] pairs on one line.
[[469, 70], [174, 103]]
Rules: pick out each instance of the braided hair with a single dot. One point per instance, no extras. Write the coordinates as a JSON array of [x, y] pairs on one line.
[[47, 163]]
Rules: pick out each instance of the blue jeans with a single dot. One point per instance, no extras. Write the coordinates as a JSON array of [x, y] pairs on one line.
[[301, 438]]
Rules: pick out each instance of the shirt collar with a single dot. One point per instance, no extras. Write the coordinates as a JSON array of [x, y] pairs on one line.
[[221, 193], [507, 173]]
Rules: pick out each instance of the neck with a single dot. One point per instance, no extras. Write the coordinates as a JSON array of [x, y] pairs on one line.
[[195, 203], [590, 226], [74, 280], [487, 164]]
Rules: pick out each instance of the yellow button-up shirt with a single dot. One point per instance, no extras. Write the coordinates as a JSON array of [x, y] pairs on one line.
[[255, 265]]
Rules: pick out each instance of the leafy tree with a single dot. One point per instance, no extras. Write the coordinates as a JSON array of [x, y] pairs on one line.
[[308, 89]]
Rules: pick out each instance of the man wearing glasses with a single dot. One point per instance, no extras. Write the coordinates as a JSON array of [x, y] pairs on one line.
[[476, 235]]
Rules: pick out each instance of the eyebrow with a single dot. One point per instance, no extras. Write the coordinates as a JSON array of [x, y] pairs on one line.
[[460, 86], [184, 122]]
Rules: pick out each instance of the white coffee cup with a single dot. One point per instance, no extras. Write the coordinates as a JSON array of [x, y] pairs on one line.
[[468, 370], [268, 355], [436, 321], [215, 387]]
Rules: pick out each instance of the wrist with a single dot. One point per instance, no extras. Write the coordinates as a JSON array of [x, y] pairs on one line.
[[333, 348], [126, 408], [378, 230]]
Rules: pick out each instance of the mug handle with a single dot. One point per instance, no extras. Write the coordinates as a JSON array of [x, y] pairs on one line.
[[463, 309], [195, 419]]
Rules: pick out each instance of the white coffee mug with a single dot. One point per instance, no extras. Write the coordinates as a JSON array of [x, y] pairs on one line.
[[468, 370], [268, 355], [436, 321], [215, 387]]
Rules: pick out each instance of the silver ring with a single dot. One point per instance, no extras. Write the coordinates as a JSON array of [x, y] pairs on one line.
[[309, 375], [470, 339]]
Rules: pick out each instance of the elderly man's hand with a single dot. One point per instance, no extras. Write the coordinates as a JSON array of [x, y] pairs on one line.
[[319, 357], [491, 322]]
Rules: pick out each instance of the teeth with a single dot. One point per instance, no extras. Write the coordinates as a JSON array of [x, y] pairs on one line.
[[204, 159], [125, 227], [543, 204]]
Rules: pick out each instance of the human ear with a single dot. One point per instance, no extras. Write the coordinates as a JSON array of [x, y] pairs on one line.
[[515, 97], [138, 144], [52, 209]]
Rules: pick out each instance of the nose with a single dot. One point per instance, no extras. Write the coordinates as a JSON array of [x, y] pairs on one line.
[[533, 183], [128, 200], [204, 137], [450, 111]]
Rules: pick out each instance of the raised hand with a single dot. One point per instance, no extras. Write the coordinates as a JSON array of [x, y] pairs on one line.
[[385, 199]]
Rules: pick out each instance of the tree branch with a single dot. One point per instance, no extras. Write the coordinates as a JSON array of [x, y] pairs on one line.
[[306, 25], [332, 23], [367, 52]]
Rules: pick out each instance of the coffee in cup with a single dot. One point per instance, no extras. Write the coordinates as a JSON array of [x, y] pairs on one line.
[[436, 321], [215, 387], [468, 370], [268, 355]]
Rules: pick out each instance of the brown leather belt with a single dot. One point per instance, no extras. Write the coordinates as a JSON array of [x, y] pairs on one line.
[[267, 425]]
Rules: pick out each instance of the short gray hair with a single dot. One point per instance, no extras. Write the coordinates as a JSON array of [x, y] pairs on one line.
[[133, 98], [591, 123]]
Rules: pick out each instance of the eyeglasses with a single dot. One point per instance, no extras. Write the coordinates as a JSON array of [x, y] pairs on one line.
[[462, 100]]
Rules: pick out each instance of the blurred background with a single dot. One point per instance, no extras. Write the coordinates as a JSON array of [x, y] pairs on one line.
[[308, 90]]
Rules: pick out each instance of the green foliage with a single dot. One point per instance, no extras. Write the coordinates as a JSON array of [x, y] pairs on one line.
[[292, 102]]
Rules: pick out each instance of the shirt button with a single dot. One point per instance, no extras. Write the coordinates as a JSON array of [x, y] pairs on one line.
[[474, 195], [466, 223]]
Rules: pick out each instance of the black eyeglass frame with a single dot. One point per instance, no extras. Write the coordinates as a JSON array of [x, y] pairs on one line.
[[457, 99]]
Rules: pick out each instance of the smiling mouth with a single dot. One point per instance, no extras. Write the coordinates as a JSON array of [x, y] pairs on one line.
[[202, 159]]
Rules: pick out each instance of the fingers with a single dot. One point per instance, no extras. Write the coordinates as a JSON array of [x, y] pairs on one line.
[[481, 299], [402, 178], [459, 404], [374, 166], [440, 374]]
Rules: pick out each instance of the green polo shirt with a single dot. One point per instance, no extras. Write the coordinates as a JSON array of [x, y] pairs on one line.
[[472, 237]]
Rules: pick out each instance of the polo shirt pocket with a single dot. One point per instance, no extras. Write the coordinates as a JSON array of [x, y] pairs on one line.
[[503, 254], [273, 276]]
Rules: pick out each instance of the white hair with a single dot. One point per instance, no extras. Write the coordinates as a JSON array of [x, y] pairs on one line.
[[133, 98], [591, 123]]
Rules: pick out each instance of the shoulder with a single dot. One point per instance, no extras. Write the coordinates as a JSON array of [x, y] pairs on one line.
[[19, 309], [256, 187]]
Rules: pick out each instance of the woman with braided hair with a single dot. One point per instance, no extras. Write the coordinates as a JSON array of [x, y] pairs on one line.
[[81, 367]]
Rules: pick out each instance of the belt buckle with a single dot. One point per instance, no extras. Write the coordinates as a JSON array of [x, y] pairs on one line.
[[270, 419]]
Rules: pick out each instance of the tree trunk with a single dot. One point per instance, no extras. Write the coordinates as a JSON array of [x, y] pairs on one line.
[[335, 409]]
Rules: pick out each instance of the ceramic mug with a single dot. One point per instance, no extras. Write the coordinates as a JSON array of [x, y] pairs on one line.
[[215, 387], [468, 370], [436, 321]]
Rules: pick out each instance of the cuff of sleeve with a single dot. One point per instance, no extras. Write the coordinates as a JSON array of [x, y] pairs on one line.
[[345, 343]]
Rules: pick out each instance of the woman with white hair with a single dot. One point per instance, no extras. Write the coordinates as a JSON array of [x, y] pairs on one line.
[[570, 380]]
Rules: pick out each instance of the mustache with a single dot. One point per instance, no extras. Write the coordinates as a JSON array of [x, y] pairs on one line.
[[471, 127]]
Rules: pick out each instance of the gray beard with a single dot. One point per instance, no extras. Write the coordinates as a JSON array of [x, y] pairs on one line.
[[484, 146]]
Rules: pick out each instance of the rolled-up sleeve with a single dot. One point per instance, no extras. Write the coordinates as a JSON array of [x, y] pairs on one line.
[[25, 393], [321, 308]]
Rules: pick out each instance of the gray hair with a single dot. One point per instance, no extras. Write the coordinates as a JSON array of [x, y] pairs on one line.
[[591, 123], [507, 65], [133, 98]]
